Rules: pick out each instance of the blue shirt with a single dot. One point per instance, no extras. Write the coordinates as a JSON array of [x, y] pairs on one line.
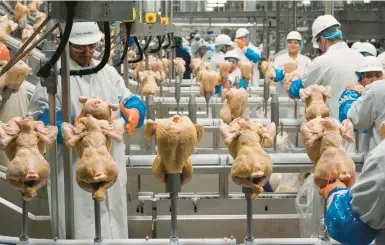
[[181, 53]]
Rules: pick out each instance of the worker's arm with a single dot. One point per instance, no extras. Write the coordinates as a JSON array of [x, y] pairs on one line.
[[279, 71], [354, 215], [133, 109], [252, 55], [362, 112], [348, 97], [313, 75]]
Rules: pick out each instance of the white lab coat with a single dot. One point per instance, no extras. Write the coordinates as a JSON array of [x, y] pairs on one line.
[[337, 68], [279, 62], [16, 106], [256, 76], [368, 193], [217, 57], [368, 112], [107, 84], [242, 57]]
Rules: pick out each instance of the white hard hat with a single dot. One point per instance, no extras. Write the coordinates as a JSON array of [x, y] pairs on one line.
[[368, 48], [323, 22], [294, 35], [197, 35], [232, 54], [315, 45], [201, 44], [371, 63], [356, 45], [241, 32], [223, 40], [84, 33]]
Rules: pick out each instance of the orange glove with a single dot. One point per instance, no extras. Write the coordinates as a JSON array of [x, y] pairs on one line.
[[227, 84], [218, 82], [358, 88], [326, 190], [132, 116], [79, 116], [241, 43]]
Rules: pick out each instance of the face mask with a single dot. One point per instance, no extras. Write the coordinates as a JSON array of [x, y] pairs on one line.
[[197, 39]]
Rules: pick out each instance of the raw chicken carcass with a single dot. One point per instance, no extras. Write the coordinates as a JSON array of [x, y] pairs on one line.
[[166, 64], [179, 66], [176, 139], [34, 5], [267, 68], [245, 139], [6, 27], [26, 33], [39, 18], [224, 70], [148, 81], [28, 171], [15, 76], [235, 104], [382, 130], [98, 108], [315, 97], [195, 64], [333, 162], [156, 65], [246, 69], [208, 81], [96, 171], [20, 11]]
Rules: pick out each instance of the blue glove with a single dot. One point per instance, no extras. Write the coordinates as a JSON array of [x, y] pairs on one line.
[[343, 223], [243, 84], [134, 102], [346, 100], [279, 75], [218, 89], [44, 117], [252, 56], [295, 86], [267, 187]]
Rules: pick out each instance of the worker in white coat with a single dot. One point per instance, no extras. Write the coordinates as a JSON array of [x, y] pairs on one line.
[[317, 50], [246, 53], [294, 45], [195, 44], [382, 58], [202, 52], [16, 105], [366, 110], [232, 57], [336, 67], [223, 44], [356, 216], [108, 85]]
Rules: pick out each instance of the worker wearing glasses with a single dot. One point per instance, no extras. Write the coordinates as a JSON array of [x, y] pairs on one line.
[[107, 85]]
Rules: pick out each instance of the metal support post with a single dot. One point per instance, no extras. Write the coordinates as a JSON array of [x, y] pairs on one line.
[[236, 82], [150, 104], [51, 84], [147, 67], [98, 226], [296, 116], [126, 78], [207, 97], [178, 84], [294, 15], [173, 186], [266, 94], [154, 218], [357, 141], [278, 26], [117, 54], [67, 154], [328, 5], [249, 239], [275, 115], [24, 224], [192, 108]]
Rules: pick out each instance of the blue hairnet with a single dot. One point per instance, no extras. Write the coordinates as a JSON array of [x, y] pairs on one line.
[[366, 54], [359, 75], [208, 48], [332, 33]]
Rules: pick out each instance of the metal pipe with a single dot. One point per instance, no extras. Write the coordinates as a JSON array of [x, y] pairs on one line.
[[266, 94], [126, 78], [197, 241], [174, 198], [275, 115], [67, 154], [357, 141], [207, 97], [294, 15], [278, 27], [146, 55], [249, 203], [24, 222], [178, 90], [192, 108], [98, 227], [151, 115], [236, 82]]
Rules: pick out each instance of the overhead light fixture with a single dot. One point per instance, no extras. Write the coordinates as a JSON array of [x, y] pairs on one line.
[[306, 2], [209, 9], [366, 1], [212, 1], [221, 5], [349, 1], [212, 5], [222, 1]]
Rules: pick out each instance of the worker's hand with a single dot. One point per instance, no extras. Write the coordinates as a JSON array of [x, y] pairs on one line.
[[219, 82], [227, 84], [132, 116], [287, 88], [324, 192], [241, 43]]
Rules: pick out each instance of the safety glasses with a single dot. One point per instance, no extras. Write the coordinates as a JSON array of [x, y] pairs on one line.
[[82, 48]]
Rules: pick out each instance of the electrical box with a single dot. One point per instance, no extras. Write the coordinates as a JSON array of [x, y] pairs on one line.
[[150, 18]]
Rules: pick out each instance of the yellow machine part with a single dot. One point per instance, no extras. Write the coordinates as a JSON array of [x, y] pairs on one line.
[[164, 20], [133, 16], [150, 18]]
